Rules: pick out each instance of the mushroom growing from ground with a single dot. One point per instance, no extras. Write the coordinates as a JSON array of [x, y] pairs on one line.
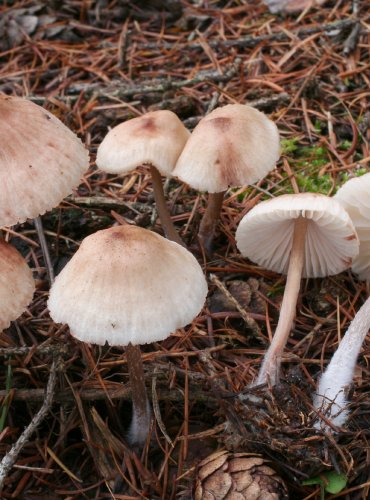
[[234, 145], [330, 397], [155, 139], [128, 286], [354, 195], [307, 234], [16, 284], [41, 161]]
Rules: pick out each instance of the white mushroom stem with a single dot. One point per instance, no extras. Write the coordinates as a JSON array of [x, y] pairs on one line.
[[140, 422], [209, 221], [160, 202], [270, 369], [330, 398]]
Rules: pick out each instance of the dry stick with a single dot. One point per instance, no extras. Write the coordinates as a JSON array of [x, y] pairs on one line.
[[269, 372], [44, 248], [209, 221], [140, 423], [163, 213], [11, 456]]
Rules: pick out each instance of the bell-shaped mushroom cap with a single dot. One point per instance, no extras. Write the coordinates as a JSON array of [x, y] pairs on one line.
[[156, 138], [41, 160], [127, 284], [16, 284], [265, 234], [235, 145], [354, 195]]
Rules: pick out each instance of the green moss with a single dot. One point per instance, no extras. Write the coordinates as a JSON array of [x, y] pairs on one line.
[[288, 145]]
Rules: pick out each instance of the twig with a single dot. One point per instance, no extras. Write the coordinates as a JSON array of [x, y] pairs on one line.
[[120, 90], [250, 322], [253, 41], [11, 456], [40, 349]]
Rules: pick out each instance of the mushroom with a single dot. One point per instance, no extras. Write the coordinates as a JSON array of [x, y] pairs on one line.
[[307, 234], [355, 198], [330, 397], [41, 161], [234, 145], [155, 139], [16, 284], [128, 286]]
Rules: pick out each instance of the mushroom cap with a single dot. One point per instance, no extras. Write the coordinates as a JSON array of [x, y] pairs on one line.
[[265, 234], [354, 195], [156, 138], [41, 160], [16, 284], [127, 284], [235, 145]]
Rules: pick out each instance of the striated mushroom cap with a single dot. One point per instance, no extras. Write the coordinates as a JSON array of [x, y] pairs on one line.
[[234, 145], [41, 160], [354, 195], [265, 234], [127, 284], [16, 284], [156, 138]]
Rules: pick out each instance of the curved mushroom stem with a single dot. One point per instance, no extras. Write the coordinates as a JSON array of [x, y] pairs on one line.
[[330, 397], [209, 221], [44, 248], [269, 372], [140, 423], [162, 209]]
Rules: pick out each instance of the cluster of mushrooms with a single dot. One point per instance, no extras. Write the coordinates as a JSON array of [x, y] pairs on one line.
[[127, 285]]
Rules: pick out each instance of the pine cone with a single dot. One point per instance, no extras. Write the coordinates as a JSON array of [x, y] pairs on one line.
[[237, 476]]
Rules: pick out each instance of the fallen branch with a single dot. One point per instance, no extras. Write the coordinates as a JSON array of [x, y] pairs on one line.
[[11, 456]]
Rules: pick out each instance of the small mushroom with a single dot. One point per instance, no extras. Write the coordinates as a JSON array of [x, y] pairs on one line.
[[234, 145], [16, 284], [307, 234], [355, 198], [155, 139], [330, 397], [128, 286], [41, 161]]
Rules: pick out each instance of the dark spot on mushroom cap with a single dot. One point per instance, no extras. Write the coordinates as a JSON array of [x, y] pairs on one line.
[[222, 123], [51, 145], [350, 237], [47, 116], [146, 125]]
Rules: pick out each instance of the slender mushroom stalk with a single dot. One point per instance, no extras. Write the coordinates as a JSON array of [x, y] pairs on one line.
[[44, 248], [306, 234], [209, 221], [160, 202], [269, 372], [140, 423], [330, 398]]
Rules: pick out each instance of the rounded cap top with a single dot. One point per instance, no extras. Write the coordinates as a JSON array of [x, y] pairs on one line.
[[16, 284], [41, 160], [354, 195], [234, 145], [127, 284], [265, 234], [156, 138]]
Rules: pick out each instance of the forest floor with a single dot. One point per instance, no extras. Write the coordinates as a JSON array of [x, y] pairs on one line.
[[95, 64]]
